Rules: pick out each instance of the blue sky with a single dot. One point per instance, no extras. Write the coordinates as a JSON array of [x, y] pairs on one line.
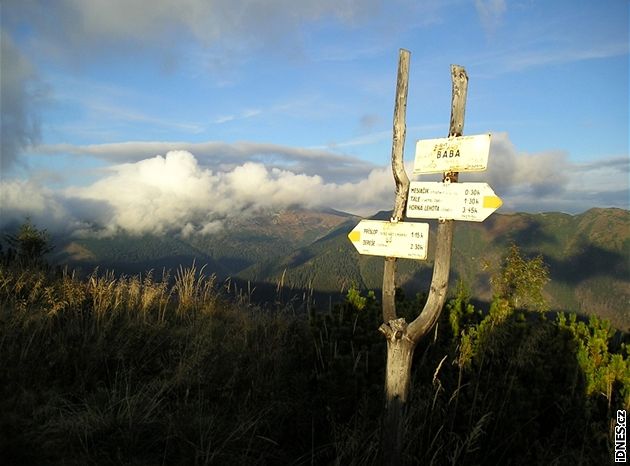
[[153, 116]]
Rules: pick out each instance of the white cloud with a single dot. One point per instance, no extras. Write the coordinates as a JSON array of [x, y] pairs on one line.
[[539, 173], [175, 193], [153, 195], [21, 199]]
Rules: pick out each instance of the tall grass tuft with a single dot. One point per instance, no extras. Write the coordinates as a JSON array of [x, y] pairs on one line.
[[194, 290]]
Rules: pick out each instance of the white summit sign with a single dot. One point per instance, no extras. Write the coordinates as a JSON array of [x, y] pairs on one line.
[[452, 201], [407, 240], [454, 154]]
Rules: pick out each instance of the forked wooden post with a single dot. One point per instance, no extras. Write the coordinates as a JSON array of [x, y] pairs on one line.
[[402, 338]]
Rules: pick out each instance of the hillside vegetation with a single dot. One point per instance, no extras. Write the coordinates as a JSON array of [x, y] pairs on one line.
[[139, 370], [309, 253], [588, 257], [236, 245]]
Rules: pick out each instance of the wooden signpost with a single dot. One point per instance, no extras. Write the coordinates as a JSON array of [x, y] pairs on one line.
[[446, 201]]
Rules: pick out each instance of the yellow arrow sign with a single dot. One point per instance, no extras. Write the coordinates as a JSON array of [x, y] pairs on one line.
[[472, 202], [391, 239], [492, 202], [354, 236]]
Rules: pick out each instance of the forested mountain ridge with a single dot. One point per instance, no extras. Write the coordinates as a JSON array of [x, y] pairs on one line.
[[239, 243], [588, 255]]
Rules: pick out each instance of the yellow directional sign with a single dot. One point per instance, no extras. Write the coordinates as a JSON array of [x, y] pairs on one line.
[[391, 239], [456, 154], [452, 201]]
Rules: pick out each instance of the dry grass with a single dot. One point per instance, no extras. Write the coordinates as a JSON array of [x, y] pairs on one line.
[[194, 290], [138, 370]]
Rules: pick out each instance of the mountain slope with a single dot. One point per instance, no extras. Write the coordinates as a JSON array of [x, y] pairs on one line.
[[588, 256], [130, 254], [241, 243]]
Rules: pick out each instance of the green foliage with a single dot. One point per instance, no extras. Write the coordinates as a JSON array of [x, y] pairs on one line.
[[607, 373], [524, 383], [27, 247], [355, 299], [460, 311], [520, 281], [516, 394]]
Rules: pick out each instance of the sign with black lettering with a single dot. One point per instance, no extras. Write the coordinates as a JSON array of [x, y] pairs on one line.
[[455, 154], [408, 240], [451, 201]]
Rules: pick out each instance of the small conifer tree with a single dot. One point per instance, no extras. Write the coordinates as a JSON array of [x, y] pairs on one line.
[[28, 246]]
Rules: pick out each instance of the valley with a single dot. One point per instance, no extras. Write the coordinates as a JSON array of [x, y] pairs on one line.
[[308, 252]]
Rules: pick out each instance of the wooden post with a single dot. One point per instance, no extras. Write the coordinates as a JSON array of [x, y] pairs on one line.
[[401, 178], [402, 338], [444, 237]]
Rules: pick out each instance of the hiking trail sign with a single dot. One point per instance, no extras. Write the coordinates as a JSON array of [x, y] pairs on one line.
[[472, 202], [407, 240], [453, 154]]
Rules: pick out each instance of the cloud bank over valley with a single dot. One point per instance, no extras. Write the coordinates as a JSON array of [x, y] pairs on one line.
[[194, 191]]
